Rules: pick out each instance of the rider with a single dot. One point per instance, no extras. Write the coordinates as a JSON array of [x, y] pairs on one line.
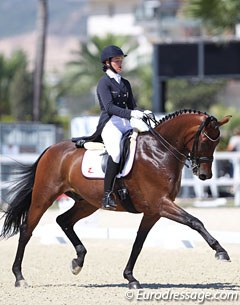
[[117, 107]]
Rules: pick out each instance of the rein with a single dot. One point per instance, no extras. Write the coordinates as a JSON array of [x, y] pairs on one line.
[[163, 141], [195, 161]]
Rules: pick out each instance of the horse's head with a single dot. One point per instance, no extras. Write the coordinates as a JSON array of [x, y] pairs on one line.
[[192, 135], [203, 144]]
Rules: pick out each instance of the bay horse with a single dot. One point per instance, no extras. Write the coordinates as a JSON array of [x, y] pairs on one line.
[[153, 184]]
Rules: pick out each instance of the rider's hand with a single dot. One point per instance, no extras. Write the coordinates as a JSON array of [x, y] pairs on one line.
[[149, 114], [137, 114]]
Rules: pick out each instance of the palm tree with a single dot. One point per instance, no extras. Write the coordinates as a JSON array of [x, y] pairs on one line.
[[85, 70], [40, 56], [217, 15]]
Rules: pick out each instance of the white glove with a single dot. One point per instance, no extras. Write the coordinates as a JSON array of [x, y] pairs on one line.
[[149, 114], [137, 114]]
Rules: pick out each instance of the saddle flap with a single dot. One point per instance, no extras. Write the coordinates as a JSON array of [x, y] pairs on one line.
[[92, 164]]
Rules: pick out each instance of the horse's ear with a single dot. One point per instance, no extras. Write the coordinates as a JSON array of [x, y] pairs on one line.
[[224, 120]]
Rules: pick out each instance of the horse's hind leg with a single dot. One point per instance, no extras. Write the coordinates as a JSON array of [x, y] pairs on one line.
[[66, 221], [26, 229], [172, 211], [17, 265]]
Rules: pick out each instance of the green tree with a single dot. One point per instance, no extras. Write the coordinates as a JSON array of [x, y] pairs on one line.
[[199, 95], [20, 94], [48, 105], [4, 82], [141, 80], [8, 70], [217, 15]]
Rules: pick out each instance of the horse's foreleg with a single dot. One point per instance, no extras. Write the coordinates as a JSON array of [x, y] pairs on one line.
[[174, 212], [66, 221], [144, 228]]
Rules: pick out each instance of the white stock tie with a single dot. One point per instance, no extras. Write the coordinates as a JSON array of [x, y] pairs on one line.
[[118, 78]]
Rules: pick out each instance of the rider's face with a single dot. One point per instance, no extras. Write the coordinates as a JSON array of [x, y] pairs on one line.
[[117, 63]]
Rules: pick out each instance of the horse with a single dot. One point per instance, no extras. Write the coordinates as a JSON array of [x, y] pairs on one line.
[[183, 137]]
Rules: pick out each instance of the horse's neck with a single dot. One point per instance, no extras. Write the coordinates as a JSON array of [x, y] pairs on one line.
[[174, 133], [179, 130], [164, 147]]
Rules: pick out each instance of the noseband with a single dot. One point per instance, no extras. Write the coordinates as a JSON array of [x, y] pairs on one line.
[[192, 156]]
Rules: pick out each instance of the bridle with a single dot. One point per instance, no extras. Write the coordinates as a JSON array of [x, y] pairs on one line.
[[192, 155], [195, 160]]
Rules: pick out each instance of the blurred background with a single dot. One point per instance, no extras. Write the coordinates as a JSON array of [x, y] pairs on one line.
[[181, 54]]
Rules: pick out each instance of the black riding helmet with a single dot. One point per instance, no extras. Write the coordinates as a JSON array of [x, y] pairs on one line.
[[111, 51]]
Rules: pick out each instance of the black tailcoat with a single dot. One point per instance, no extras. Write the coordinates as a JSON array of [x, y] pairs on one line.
[[114, 99]]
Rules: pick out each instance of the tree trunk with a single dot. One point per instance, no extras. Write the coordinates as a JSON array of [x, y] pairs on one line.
[[40, 55]]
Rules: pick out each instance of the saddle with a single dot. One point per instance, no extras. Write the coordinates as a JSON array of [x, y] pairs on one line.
[[95, 160], [95, 157]]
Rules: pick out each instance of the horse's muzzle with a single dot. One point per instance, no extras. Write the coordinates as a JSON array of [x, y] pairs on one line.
[[202, 167], [204, 176], [202, 173]]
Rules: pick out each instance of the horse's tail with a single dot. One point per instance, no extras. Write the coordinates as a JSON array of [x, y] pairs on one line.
[[20, 199]]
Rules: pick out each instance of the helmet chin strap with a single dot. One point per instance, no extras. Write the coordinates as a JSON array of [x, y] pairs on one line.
[[111, 67]]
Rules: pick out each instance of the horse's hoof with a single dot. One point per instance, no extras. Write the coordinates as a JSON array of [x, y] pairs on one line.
[[134, 285], [75, 268], [21, 283], [223, 256]]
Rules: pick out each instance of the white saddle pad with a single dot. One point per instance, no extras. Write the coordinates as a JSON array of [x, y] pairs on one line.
[[92, 160]]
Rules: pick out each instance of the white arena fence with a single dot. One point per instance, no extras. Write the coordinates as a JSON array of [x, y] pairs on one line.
[[224, 183]]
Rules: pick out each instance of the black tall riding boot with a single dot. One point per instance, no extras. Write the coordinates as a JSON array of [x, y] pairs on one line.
[[111, 172]]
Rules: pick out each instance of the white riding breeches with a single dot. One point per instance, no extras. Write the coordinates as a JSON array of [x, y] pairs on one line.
[[112, 134]]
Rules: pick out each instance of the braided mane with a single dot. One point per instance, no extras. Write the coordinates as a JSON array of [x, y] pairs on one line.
[[177, 113]]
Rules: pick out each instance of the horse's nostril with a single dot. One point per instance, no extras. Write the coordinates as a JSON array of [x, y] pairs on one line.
[[202, 177]]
